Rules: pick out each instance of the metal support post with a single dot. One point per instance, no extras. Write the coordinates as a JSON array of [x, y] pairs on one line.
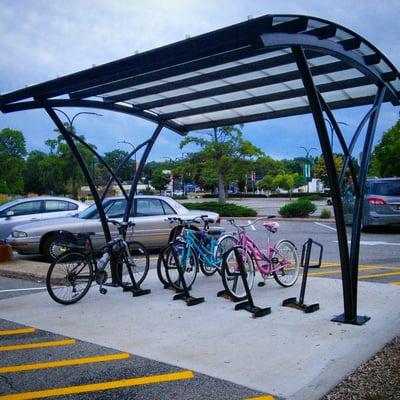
[[358, 205], [68, 138], [316, 109]]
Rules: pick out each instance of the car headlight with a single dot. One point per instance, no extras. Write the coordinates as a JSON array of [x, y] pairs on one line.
[[19, 234]]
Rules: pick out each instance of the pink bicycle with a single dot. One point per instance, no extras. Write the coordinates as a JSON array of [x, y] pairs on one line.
[[279, 260]]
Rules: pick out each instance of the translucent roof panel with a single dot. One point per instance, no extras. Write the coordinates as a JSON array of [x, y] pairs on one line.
[[244, 72]]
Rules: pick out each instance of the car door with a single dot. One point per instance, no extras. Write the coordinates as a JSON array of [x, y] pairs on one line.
[[27, 211], [58, 208], [114, 209], [151, 225]]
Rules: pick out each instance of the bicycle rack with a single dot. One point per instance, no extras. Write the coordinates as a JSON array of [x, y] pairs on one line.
[[184, 293], [305, 263], [135, 288], [249, 304]]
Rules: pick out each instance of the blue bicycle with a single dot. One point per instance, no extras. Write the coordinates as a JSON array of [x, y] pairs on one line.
[[193, 249]]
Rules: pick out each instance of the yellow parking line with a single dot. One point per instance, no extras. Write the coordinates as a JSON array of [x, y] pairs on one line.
[[17, 331], [395, 283], [379, 275], [64, 363], [95, 387], [37, 345], [263, 397], [337, 271]]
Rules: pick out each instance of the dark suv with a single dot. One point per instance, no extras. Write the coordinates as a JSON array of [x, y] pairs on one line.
[[381, 205]]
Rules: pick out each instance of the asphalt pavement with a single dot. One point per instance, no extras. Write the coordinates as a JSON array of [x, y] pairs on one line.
[[222, 353]]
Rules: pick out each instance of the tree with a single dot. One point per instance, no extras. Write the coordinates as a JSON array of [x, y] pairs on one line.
[[320, 168], [67, 166], [12, 163], [266, 183], [385, 160], [226, 153], [113, 159], [285, 182], [160, 180]]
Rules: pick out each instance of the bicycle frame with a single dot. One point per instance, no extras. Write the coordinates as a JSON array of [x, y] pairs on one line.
[[263, 259], [206, 255]]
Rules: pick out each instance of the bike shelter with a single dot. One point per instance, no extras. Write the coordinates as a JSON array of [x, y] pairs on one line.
[[269, 67]]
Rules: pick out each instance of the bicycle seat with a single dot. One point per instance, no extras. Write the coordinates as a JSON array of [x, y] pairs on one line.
[[271, 226], [215, 230]]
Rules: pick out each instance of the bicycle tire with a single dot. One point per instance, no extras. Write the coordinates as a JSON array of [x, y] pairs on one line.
[[231, 276], [140, 268], [68, 269], [224, 244], [286, 253], [162, 275], [173, 260]]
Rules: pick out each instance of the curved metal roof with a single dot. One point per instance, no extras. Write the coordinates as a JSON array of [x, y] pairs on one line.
[[241, 73]]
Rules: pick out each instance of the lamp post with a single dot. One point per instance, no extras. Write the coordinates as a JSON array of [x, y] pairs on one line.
[[71, 126], [308, 163], [332, 130], [133, 147]]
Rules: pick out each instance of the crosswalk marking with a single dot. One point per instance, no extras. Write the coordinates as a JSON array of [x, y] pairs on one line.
[[263, 397], [63, 363], [16, 331], [96, 387], [51, 343]]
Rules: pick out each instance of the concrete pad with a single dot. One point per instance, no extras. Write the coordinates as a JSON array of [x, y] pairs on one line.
[[287, 353]]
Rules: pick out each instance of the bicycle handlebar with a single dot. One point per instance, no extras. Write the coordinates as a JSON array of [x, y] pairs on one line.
[[242, 227], [196, 220]]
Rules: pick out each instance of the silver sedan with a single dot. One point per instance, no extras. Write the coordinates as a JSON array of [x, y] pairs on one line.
[[24, 210], [152, 227]]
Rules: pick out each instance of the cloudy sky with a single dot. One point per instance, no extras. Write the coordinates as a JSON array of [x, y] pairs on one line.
[[43, 39]]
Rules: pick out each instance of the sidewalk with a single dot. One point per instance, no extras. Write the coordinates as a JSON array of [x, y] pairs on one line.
[[288, 353]]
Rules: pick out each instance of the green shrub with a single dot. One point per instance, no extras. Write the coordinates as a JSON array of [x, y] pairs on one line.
[[313, 197], [224, 210], [148, 191], [325, 213], [301, 208], [180, 197]]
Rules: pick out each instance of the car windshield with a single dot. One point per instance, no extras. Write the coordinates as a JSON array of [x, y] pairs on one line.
[[92, 213], [390, 188]]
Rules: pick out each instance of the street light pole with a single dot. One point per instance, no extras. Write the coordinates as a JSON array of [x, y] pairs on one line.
[[70, 128], [308, 162], [133, 147], [332, 130]]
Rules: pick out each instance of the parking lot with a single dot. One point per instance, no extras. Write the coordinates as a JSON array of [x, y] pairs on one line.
[[87, 358]]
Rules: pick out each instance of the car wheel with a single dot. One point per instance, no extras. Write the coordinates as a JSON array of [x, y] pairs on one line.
[[50, 249]]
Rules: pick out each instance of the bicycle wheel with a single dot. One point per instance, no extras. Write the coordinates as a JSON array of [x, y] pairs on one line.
[[161, 273], [139, 265], [286, 263], [185, 258], [231, 276], [69, 277]]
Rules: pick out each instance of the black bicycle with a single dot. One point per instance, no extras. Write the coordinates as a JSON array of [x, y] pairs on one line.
[[72, 273]]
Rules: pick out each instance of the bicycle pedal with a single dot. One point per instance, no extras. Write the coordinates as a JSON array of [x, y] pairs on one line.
[[261, 284], [103, 291]]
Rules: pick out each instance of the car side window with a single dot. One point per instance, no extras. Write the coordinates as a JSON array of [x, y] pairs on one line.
[[72, 206], [116, 209], [56, 205], [27, 208], [167, 208], [149, 207]]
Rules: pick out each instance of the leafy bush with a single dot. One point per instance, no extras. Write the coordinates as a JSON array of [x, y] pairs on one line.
[[301, 208], [312, 196], [179, 197], [325, 213], [148, 191], [224, 210]]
